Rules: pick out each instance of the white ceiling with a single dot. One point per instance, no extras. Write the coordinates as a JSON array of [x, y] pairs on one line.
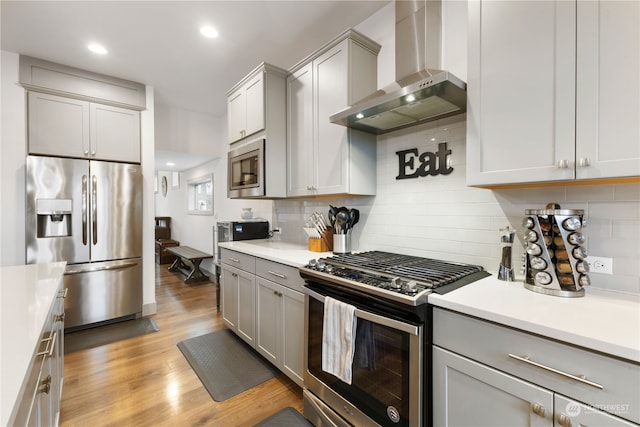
[[158, 42]]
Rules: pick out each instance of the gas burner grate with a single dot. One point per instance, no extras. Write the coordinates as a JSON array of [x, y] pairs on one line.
[[430, 271]]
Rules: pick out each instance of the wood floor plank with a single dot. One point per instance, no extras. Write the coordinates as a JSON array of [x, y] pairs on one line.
[[146, 381]]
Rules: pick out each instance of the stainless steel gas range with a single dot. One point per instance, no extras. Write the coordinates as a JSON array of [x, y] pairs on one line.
[[390, 370]]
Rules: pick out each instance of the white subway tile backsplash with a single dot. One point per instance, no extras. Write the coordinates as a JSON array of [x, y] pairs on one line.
[[440, 217], [595, 193], [628, 192]]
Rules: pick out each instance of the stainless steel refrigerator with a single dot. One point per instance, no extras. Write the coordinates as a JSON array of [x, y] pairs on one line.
[[88, 213]]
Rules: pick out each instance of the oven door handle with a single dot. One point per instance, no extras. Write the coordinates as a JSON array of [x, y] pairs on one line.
[[375, 318]]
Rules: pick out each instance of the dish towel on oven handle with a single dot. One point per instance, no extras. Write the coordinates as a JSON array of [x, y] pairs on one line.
[[338, 338]]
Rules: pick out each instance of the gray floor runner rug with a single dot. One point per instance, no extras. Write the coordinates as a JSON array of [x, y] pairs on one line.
[[107, 334], [287, 417], [225, 364]]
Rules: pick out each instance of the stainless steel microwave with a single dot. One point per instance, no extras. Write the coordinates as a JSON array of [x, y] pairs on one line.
[[245, 171]]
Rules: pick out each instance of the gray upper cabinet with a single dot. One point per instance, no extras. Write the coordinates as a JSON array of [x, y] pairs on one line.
[[257, 103], [324, 158], [553, 91], [61, 126]]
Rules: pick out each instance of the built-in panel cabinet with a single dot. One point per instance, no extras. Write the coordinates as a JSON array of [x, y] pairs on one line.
[[324, 158], [553, 91], [256, 111], [69, 127], [490, 374]]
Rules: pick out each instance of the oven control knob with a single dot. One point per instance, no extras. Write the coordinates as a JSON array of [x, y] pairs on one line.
[[313, 263], [328, 269], [412, 285], [320, 266], [396, 283], [393, 414]]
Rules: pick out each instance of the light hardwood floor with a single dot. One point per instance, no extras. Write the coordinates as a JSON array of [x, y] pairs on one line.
[[146, 381]]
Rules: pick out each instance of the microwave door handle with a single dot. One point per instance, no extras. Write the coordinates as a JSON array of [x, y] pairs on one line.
[[94, 209], [84, 210]]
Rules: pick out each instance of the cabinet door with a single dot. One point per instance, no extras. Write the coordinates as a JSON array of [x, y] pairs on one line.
[[569, 413], [300, 132], [246, 306], [115, 133], [236, 115], [608, 89], [269, 320], [466, 393], [229, 296], [293, 334], [331, 89], [521, 91], [58, 126], [254, 101]]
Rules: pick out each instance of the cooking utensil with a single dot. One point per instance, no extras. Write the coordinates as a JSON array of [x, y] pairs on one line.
[[342, 219], [354, 217], [332, 216]]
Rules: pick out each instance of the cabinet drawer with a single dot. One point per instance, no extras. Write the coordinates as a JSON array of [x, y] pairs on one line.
[[283, 274], [238, 260], [529, 357]]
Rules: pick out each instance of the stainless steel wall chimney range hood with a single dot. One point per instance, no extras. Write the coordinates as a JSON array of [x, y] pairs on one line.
[[422, 92]]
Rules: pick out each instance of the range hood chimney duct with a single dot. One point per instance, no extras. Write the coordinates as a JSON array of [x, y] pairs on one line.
[[422, 91]]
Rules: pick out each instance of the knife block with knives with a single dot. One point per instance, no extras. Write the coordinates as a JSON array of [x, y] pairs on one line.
[[322, 244]]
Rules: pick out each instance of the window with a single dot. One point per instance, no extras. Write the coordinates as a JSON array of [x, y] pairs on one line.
[[200, 195]]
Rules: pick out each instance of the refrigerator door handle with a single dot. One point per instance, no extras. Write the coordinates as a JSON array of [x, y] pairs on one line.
[[101, 268], [84, 209], [94, 209]]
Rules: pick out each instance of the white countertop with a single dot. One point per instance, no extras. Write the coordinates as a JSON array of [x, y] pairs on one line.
[[27, 293], [608, 322], [277, 251]]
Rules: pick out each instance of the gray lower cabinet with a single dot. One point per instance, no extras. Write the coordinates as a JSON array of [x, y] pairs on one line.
[[486, 374], [40, 402], [471, 394], [262, 302], [280, 333], [238, 302]]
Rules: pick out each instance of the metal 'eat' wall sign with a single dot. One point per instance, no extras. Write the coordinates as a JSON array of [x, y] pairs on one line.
[[414, 165]]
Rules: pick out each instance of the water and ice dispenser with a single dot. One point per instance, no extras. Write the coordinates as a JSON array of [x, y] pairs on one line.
[[53, 217]]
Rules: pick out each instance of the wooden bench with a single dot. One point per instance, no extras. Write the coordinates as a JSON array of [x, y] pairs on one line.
[[188, 262]]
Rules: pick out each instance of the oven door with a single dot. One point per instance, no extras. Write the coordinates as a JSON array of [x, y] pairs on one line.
[[386, 387], [245, 170]]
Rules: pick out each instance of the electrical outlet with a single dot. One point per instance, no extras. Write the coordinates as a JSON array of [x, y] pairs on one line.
[[600, 265]]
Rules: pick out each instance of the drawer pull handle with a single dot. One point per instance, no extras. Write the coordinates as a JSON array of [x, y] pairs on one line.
[[51, 343], [579, 378], [280, 275], [538, 409], [564, 420], [234, 260]]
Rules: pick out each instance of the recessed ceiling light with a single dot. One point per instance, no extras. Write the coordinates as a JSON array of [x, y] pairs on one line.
[[96, 48], [209, 32], [170, 164]]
